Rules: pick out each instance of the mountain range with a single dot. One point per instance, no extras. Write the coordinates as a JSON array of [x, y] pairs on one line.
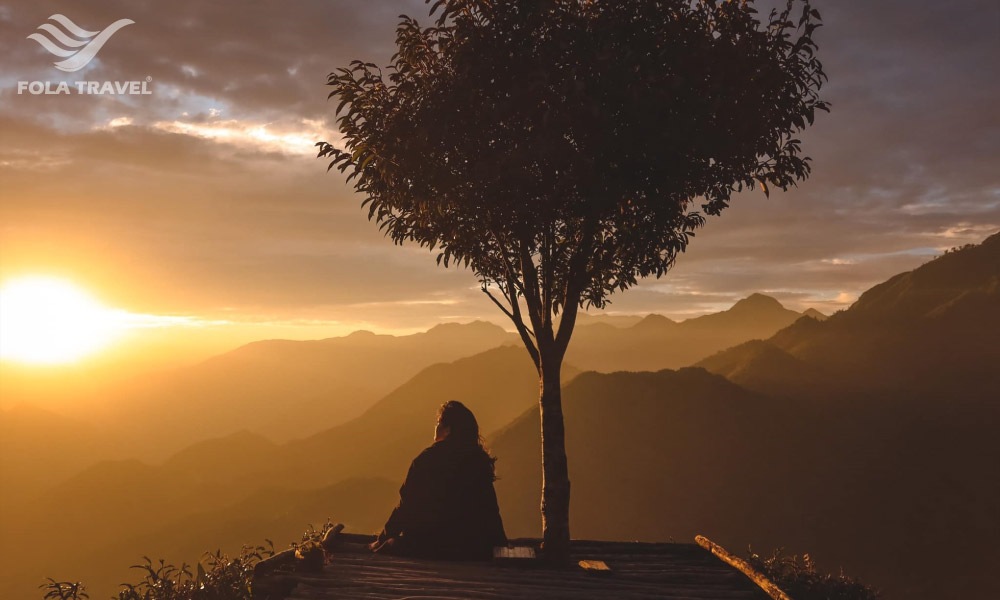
[[286, 390], [656, 342], [866, 439], [231, 404]]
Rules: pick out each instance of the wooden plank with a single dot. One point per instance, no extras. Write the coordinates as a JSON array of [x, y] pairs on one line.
[[273, 562], [744, 567], [638, 571], [437, 577], [597, 567], [516, 552], [332, 537]]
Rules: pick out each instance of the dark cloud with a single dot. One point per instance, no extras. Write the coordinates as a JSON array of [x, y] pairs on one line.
[[203, 196]]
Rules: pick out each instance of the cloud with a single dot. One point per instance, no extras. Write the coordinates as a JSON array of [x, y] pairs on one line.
[[119, 122], [206, 195], [299, 139]]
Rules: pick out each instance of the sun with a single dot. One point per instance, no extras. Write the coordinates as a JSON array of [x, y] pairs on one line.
[[45, 320]]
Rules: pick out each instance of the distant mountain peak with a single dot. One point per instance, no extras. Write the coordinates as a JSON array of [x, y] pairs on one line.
[[950, 284], [361, 333], [477, 325], [655, 320], [815, 314], [757, 302], [992, 241]]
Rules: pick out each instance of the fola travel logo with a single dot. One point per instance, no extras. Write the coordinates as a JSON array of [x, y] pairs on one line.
[[76, 47], [79, 50]]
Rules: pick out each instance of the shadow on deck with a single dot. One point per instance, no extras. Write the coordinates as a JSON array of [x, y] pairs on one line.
[[637, 570]]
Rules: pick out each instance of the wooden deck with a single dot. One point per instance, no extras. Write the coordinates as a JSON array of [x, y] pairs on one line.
[[637, 571]]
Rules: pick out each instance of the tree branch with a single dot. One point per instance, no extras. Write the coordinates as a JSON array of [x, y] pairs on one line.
[[515, 316], [571, 307], [546, 259], [529, 286], [575, 283]]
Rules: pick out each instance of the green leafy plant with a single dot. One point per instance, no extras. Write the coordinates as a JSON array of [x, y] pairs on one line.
[[217, 577], [798, 577], [312, 534], [64, 590]]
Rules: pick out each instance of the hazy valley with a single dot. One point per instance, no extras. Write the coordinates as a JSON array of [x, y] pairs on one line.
[[866, 439]]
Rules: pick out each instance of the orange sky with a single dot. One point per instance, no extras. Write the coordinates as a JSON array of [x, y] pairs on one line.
[[204, 201]]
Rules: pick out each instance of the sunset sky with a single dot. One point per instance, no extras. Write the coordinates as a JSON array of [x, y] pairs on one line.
[[201, 208]]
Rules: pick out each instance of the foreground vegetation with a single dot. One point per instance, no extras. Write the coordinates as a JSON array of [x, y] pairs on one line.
[[219, 576], [798, 577]]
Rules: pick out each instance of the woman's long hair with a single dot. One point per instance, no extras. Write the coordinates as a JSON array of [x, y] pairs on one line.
[[464, 429]]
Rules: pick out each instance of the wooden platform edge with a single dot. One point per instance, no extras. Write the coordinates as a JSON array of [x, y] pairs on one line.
[[744, 567]]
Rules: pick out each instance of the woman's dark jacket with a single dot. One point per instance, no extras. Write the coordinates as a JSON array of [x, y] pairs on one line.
[[447, 505]]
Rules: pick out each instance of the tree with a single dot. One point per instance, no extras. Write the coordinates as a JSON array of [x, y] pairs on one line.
[[560, 149]]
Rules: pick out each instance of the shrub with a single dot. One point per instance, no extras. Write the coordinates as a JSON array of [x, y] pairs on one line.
[[217, 577], [64, 590], [799, 578]]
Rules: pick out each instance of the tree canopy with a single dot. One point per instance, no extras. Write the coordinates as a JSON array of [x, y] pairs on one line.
[[564, 149], [590, 137]]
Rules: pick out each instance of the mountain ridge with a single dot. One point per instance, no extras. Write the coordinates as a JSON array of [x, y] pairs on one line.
[[775, 454], [656, 342]]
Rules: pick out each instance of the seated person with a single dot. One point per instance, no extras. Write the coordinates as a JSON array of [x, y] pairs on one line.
[[447, 505]]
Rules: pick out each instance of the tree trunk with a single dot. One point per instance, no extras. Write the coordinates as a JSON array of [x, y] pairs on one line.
[[555, 474]]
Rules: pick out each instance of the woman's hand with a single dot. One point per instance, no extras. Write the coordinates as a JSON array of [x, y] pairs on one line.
[[383, 545]]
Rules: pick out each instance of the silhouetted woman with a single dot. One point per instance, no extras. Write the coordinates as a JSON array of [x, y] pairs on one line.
[[447, 505]]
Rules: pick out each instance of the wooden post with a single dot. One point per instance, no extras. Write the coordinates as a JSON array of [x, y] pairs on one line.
[[743, 566]]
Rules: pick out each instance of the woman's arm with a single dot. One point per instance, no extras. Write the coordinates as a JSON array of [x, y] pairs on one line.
[[496, 531], [410, 492]]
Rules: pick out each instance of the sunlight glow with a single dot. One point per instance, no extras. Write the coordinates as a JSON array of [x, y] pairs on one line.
[[46, 320]]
